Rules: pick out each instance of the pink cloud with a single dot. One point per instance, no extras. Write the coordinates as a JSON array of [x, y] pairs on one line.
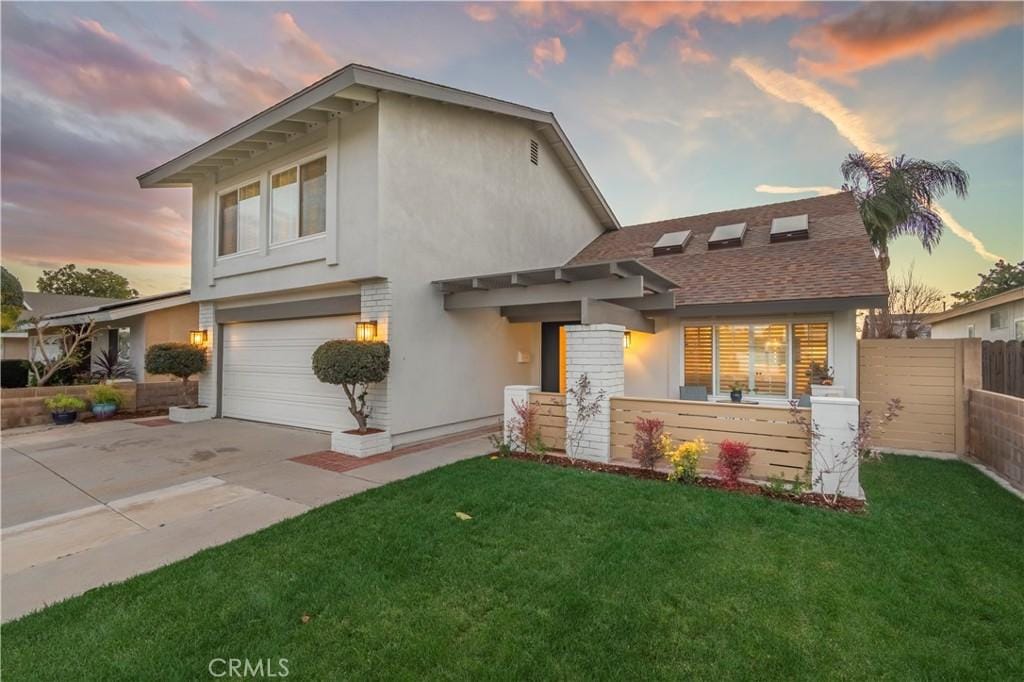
[[876, 34], [689, 53], [299, 43], [481, 13], [549, 50], [624, 56]]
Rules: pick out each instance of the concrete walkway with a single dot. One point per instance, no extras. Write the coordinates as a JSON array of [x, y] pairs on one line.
[[92, 504]]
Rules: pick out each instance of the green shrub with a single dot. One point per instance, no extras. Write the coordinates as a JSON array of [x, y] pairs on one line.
[[14, 373], [353, 365], [102, 394], [63, 402], [180, 360]]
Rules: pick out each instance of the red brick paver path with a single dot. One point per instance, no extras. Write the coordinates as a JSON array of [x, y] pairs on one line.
[[339, 463]]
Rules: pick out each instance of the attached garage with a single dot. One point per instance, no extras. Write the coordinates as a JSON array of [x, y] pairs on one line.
[[267, 375]]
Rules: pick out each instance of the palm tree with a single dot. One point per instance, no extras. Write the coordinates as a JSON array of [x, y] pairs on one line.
[[896, 197]]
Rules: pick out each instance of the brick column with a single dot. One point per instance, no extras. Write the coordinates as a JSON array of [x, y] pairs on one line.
[[594, 350], [208, 379], [375, 304], [835, 466]]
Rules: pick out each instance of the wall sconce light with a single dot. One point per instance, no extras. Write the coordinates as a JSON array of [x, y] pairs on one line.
[[197, 337], [627, 338], [366, 331]]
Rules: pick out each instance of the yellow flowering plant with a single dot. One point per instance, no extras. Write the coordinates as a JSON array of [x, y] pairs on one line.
[[685, 459]]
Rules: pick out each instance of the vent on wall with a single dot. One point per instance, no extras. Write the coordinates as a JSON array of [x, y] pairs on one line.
[[534, 153], [671, 242], [789, 228], [727, 235]]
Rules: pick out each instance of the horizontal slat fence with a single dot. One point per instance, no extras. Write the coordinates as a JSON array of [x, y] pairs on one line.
[[551, 418], [930, 377], [780, 447], [1002, 367]]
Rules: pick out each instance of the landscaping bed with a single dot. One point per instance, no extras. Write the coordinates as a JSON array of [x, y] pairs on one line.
[[840, 503], [565, 574]]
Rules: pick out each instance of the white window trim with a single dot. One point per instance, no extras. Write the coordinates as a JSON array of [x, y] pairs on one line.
[[322, 154], [713, 391], [217, 213]]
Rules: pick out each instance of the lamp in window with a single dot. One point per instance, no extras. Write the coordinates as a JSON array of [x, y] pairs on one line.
[[627, 338], [197, 337], [366, 331]]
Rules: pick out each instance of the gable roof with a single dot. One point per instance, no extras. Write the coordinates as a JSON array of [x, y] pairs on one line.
[[40, 304], [836, 261], [119, 309], [977, 306], [341, 93]]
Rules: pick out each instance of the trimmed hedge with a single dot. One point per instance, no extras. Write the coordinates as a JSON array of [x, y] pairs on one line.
[[14, 373], [181, 360], [345, 362]]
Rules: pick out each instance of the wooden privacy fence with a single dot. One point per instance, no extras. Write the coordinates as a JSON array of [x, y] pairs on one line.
[[551, 418], [1002, 367], [780, 447], [931, 378]]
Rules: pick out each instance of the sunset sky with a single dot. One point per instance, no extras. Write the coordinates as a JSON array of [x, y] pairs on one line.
[[676, 109]]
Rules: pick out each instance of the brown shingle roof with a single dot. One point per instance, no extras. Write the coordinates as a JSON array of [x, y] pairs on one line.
[[836, 261]]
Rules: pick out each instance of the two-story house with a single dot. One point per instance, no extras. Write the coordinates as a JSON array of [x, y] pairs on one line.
[[468, 229]]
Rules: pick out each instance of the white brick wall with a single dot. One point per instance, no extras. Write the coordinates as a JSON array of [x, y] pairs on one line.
[[375, 304], [594, 350], [208, 379]]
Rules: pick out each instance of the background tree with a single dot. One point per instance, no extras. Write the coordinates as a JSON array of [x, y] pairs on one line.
[[897, 196], [69, 353], [910, 300], [1002, 277], [12, 299], [91, 282]]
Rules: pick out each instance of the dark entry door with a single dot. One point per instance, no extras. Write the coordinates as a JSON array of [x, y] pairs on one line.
[[551, 369]]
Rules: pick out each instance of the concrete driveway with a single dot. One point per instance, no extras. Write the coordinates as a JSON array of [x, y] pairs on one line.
[[95, 503]]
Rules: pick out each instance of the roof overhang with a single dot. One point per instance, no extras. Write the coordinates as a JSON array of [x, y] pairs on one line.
[[341, 94], [809, 305], [120, 310], [622, 292], [984, 304]]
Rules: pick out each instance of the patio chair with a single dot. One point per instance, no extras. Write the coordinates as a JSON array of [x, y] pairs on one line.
[[805, 400], [693, 393]]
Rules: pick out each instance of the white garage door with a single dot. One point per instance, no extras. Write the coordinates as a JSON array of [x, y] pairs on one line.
[[268, 375]]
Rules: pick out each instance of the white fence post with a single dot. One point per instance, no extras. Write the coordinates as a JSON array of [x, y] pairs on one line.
[[595, 350], [520, 395], [835, 462]]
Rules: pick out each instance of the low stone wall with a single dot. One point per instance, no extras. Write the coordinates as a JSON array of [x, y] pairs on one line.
[[24, 406], [997, 433], [159, 395]]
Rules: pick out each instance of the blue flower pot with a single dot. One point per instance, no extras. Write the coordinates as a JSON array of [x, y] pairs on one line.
[[64, 418], [104, 410]]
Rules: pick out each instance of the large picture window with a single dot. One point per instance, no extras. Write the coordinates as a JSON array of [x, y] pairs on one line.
[[298, 201], [239, 220], [769, 360]]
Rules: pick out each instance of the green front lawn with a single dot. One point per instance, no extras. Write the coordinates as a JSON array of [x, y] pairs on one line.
[[571, 574]]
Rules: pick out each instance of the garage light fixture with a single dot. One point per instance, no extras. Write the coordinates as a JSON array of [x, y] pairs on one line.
[[366, 331], [627, 338], [197, 337]]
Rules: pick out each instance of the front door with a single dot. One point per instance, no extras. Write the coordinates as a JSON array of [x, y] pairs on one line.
[[552, 356]]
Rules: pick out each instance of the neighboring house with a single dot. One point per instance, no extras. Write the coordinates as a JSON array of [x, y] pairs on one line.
[[469, 231], [996, 318], [16, 345], [132, 325], [896, 326]]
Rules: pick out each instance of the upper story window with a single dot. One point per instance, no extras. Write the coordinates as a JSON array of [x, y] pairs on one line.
[[298, 201], [239, 219]]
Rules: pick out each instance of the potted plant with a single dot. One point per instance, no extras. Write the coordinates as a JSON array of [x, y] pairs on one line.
[[355, 365], [180, 360], [736, 392], [105, 401], [822, 380], [64, 408]]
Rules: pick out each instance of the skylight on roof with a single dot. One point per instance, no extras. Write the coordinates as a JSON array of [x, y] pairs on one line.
[[671, 242], [727, 235], [789, 228]]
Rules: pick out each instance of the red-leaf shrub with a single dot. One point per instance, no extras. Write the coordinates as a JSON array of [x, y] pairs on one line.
[[647, 441], [733, 461]]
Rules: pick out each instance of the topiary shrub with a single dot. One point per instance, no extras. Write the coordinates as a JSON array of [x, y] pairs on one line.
[[14, 373], [180, 360], [353, 365]]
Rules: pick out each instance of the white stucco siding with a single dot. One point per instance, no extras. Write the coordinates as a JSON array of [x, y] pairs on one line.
[[956, 328], [459, 196], [345, 251]]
